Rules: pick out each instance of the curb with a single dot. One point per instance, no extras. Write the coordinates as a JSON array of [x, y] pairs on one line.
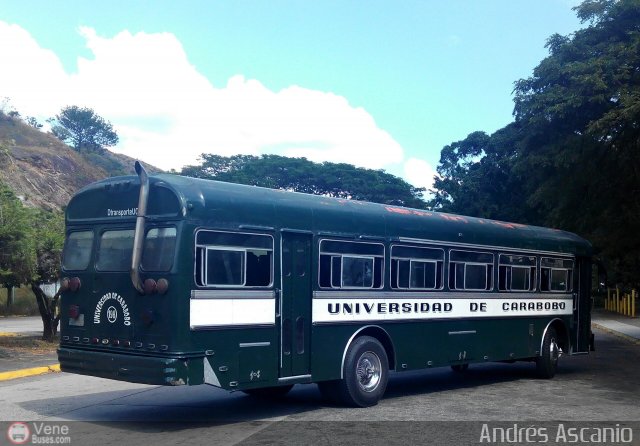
[[616, 333], [5, 376]]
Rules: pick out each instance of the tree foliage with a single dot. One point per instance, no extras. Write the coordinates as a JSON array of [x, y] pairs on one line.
[[83, 129], [31, 243], [571, 157], [301, 175]]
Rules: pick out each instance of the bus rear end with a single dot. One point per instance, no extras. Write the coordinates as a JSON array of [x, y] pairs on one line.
[[116, 322]]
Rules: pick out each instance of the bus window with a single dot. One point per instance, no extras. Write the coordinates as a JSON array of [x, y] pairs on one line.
[[225, 267], [416, 268], [114, 250], [77, 250], [225, 259], [471, 271], [351, 265], [159, 249], [357, 272], [516, 273], [556, 275]]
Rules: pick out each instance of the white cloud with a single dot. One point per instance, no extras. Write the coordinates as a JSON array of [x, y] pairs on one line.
[[419, 173], [167, 113]]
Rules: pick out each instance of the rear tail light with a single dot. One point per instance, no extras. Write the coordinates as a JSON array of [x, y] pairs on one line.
[[150, 286], [74, 284], [74, 311], [163, 286]]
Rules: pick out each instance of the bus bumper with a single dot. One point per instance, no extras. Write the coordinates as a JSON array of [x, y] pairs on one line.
[[154, 370]]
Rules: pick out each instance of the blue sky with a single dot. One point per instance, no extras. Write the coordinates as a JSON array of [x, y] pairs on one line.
[[380, 84]]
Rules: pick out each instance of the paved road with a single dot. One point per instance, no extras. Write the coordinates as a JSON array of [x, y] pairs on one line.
[[596, 388], [31, 324]]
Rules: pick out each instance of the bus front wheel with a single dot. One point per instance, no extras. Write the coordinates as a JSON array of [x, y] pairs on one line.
[[547, 362], [366, 372]]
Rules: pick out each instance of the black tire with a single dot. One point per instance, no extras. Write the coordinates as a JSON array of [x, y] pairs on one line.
[[269, 392], [547, 362], [366, 373], [460, 368]]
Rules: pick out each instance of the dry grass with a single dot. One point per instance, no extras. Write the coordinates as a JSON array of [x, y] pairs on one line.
[[26, 344]]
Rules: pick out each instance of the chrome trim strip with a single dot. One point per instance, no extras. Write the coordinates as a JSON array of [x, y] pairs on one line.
[[233, 294], [435, 295], [229, 326], [462, 332], [294, 378], [254, 344], [353, 336], [544, 333]]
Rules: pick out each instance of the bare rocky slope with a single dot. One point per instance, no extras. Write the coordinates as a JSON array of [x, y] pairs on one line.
[[44, 172]]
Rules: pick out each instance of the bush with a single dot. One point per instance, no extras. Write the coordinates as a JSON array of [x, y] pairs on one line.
[[24, 304]]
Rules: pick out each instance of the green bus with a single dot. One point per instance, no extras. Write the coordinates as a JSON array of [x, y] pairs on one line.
[[180, 281]]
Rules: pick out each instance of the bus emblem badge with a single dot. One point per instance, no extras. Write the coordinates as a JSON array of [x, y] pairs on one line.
[[112, 314]]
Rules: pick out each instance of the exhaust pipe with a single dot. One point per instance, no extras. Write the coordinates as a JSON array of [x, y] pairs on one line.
[[138, 237]]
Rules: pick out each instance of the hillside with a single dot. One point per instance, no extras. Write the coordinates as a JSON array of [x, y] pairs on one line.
[[44, 172]]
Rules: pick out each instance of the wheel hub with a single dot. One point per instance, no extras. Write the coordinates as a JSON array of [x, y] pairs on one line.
[[368, 371]]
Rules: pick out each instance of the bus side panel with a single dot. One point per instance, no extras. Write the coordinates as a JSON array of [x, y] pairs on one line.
[[420, 345], [239, 357]]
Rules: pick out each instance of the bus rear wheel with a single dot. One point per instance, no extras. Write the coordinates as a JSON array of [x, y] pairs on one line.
[[366, 373], [269, 392], [547, 362]]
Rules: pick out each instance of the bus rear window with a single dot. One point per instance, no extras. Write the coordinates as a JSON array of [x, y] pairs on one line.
[[77, 251], [159, 249], [114, 250]]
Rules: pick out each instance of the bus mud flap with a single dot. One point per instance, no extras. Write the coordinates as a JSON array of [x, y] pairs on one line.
[[210, 376]]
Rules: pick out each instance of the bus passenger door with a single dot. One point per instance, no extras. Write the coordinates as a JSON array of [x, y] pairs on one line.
[[295, 304]]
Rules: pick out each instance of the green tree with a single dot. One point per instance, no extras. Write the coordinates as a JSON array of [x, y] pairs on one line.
[[16, 246], [581, 111], [301, 175], [31, 243], [570, 159], [83, 129], [33, 122]]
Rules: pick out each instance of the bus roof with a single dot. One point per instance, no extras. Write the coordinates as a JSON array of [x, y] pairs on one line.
[[236, 206]]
